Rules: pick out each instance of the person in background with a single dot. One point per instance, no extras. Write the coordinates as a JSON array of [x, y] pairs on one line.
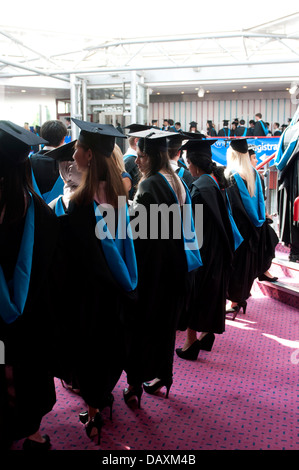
[[119, 160], [207, 305], [248, 210], [260, 128], [241, 130], [211, 132], [178, 127], [250, 130], [270, 239], [225, 131], [193, 127], [106, 278], [276, 130], [162, 263], [45, 170], [29, 233]]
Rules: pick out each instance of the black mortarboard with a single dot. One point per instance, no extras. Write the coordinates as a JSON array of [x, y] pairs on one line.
[[15, 145], [225, 122], [239, 145], [64, 153], [200, 147], [137, 127], [98, 136], [193, 124], [153, 140], [193, 135]]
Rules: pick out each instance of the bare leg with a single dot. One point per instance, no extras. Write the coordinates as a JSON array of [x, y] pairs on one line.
[[191, 337]]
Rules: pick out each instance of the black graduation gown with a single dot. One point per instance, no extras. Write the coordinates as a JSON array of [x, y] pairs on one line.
[[224, 132], [45, 170], [207, 309], [133, 170], [288, 191], [29, 392], [258, 129], [91, 316], [246, 265], [240, 131], [186, 176], [162, 271]]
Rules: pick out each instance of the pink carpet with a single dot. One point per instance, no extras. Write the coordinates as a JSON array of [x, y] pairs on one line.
[[241, 395]]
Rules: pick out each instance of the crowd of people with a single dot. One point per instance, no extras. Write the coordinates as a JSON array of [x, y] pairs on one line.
[[88, 265], [237, 128]]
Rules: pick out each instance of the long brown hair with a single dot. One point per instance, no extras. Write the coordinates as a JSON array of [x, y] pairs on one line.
[[101, 168], [160, 160]]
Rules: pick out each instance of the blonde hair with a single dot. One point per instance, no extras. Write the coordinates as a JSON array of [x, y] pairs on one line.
[[118, 158], [240, 163]]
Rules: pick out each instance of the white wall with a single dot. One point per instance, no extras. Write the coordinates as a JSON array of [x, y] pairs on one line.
[[20, 108], [272, 110]]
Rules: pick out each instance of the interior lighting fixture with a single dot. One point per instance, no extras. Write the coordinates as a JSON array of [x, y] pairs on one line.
[[201, 92], [293, 88]]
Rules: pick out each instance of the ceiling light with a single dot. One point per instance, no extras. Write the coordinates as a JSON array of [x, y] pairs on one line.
[[260, 89], [196, 89], [233, 91], [244, 86], [287, 89], [158, 93], [208, 91], [201, 92], [23, 91], [182, 92]]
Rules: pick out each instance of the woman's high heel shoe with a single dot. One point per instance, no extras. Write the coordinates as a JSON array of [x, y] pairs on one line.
[[191, 353], [132, 393], [153, 388], [235, 310], [108, 402], [97, 423]]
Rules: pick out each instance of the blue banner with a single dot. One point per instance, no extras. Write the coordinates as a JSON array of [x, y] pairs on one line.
[[264, 147]]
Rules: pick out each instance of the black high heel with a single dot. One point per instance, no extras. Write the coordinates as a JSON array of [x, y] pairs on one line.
[[96, 422], [235, 310], [191, 353], [132, 393], [153, 388], [83, 416]]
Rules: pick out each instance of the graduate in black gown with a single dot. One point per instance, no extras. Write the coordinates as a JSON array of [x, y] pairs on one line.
[[163, 269], [207, 306], [287, 163], [28, 242], [248, 209], [102, 274], [269, 239]]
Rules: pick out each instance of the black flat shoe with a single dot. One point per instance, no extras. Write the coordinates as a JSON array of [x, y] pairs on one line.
[[153, 388], [263, 277], [83, 416], [29, 444], [130, 394]]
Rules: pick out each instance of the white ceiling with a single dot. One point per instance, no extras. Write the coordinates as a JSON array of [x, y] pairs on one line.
[[173, 49]]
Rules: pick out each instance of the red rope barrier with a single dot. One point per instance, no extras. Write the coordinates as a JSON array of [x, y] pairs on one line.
[[268, 159]]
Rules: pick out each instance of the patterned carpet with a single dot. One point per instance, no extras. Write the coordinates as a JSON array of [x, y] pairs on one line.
[[241, 395]]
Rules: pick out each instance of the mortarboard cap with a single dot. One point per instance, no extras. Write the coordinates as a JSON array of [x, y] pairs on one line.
[[225, 122], [64, 153], [153, 139], [193, 135], [15, 145], [239, 145], [137, 127], [200, 147], [193, 124], [99, 136]]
